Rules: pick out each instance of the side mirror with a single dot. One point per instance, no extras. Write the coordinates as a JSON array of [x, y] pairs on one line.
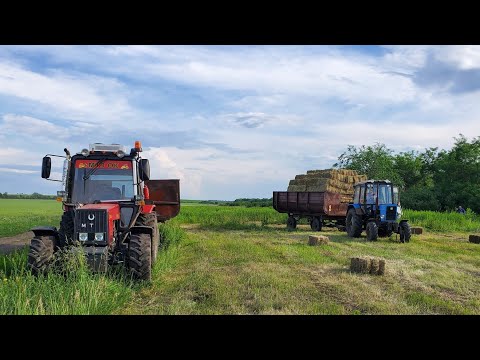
[[46, 167], [144, 170]]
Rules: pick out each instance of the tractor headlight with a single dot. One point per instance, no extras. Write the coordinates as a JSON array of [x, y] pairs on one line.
[[382, 217], [98, 236], [120, 154], [83, 236], [85, 152]]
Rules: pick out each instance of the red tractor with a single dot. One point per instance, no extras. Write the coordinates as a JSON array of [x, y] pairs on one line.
[[111, 209]]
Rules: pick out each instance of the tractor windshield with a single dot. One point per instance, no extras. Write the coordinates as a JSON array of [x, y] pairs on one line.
[[112, 180]]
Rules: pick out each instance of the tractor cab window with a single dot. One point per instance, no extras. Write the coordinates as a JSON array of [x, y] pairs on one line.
[[362, 194], [396, 199], [113, 180], [371, 193], [384, 194], [356, 197]]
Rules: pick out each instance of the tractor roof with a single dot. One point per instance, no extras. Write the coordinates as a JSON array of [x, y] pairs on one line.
[[373, 182]]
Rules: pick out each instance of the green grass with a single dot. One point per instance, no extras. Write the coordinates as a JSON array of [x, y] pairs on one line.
[[234, 260], [18, 215]]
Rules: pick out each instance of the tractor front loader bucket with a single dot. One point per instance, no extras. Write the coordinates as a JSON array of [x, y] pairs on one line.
[[166, 196]]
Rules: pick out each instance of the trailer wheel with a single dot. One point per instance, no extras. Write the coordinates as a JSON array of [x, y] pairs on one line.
[[316, 224], [291, 223], [405, 232], [353, 224], [372, 231]]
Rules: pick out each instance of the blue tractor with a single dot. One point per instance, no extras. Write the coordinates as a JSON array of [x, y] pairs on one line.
[[376, 209]]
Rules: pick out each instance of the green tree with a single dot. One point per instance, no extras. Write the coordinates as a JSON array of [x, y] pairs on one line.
[[457, 175], [377, 162]]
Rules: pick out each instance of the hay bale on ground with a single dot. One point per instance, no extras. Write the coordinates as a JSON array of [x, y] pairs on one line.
[[374, 266], [367, 266], [381, 267], [360, 265], [416, 230], [314, 240], [474, 239]]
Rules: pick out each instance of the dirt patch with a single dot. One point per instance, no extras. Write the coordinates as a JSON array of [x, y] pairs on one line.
[[17, 242]]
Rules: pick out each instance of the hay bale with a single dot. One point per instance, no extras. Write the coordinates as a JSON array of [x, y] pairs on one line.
[[381, 267], [416, 230], [300, 188], [374, 266], [298, 177], [314, 240], [360, 265], [474, 239], [371, 266]]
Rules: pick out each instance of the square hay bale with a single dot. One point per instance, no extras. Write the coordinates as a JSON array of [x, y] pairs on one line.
[[299, 188], [314, 240], [381, 267], [474, 239], [374, 266], [416, 230], [368, 265], [301, 176]]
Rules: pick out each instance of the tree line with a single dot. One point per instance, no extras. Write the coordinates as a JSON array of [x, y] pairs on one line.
[[433, 179], [35, 195]]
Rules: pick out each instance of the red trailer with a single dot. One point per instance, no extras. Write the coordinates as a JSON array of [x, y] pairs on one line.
[[317, 207]]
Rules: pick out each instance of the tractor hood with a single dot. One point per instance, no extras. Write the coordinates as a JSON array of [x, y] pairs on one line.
[[96, 218]]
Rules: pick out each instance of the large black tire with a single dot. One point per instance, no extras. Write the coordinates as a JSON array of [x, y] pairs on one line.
[[140, 256], [291, 223], [353, 224], [405, 231], [316, 224], [150, 220], [66, 229], [372, 231], [40, 254]]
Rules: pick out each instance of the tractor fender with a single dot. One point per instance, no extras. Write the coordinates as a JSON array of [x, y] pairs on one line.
[[358, 209], [45, 231], [141, 230]]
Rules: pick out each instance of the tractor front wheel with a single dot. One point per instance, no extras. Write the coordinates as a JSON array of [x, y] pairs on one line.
[[151, 221], [140, 256], [66, 229], [40, 254], [405, 232], [372, 231], [353, 224]]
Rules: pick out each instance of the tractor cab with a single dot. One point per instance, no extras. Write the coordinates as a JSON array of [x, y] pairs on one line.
[[376, 208]]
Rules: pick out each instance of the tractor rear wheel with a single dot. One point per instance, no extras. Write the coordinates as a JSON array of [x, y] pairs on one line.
[[372, 231], [291, 223], [316, 224], [66, 229], [354, 224], [150, 220], [140, 256], [40, 254], [405, 231]]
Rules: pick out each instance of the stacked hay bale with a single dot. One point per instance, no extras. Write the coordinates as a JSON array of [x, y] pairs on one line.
[[339, 181]]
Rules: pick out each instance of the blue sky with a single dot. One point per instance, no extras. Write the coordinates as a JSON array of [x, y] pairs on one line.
[[230, 121]]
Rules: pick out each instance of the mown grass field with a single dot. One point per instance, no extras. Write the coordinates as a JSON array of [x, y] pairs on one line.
[[233, 260]]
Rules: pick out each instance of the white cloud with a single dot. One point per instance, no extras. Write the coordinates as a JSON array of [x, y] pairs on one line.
[[79, 96], [18, 171], [26, 125]]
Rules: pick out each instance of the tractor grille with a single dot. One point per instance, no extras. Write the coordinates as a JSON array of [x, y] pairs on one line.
[[391, 213], [91, 221]]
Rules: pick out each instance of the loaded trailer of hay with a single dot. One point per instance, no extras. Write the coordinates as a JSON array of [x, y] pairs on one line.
[[321, 196]]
